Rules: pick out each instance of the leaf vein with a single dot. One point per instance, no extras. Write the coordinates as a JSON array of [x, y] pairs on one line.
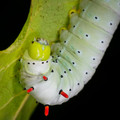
[[10, 100], [21, 106]]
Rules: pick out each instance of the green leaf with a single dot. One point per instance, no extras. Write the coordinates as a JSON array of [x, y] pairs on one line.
[[45, 18]]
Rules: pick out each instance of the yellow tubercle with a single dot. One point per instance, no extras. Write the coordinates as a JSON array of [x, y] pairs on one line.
[[61, 29], [72, 12]]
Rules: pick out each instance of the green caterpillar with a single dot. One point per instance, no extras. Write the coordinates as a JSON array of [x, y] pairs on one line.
[[52, 75]]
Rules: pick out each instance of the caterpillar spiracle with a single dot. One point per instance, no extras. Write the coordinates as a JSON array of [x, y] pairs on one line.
[[54, 74]]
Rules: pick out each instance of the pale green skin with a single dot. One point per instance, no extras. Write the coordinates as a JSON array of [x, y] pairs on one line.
[[113, 4], [104, 15], [92, 49]]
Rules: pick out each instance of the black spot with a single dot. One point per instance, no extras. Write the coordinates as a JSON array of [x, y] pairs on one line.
[[102, 41], [53, 61], [73, 63], [61, 76], [78, 51], [24, 89], [86, 35], [32, 41], [60, 91], [69, 89], [64, 41], [32, 88], [93, 58], [58, 56], [37, 40], [86, 73], [28, 62], [96, 17], [46, 61], [33, 63], [73, 26], [60, 51], [64, 71], [52, 56], [83, 10], [37, 102], [111, 24], [72, 12], [78, 84], [42, 62], [52, 70], [69, 69]]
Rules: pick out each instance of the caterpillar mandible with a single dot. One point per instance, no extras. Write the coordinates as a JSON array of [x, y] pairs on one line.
[[54, 74]]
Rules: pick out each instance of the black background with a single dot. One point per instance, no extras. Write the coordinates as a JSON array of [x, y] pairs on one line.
[[98, 99]]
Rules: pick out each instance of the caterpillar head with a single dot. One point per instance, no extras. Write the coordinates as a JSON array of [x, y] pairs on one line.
[[39, 50], [36, 59]]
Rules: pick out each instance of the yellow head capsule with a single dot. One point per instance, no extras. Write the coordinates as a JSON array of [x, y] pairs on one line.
[[46, 52], [39, 51]]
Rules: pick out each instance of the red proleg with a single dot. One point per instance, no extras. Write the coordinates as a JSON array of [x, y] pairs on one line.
[[64, 94], [46, 110], [30, 89], [45, 78]]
